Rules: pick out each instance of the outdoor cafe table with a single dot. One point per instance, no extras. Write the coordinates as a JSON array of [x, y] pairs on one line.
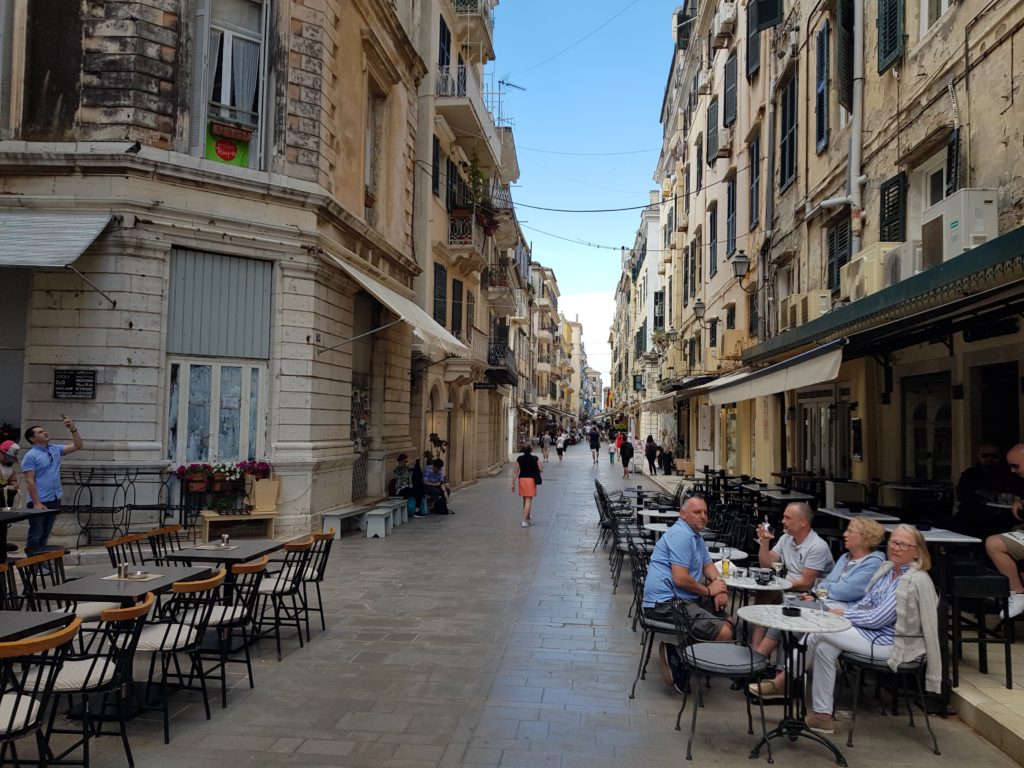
[[15, 625], [793, 628], [846, 514], [760, 487], [781, 497], [236, 552], [658, 514], [9, 517], [125, 591]]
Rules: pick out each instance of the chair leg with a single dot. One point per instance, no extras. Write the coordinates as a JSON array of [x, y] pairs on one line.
[[697, 704], [853, 713], [122, 722], [320, 607], [643, 652], [924, 708], [164, 699], [197, 670], [224, 643], [764, 725]]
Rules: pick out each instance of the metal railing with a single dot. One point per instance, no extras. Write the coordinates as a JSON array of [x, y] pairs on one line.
[[502, 355], [463, 231], [476, 8]]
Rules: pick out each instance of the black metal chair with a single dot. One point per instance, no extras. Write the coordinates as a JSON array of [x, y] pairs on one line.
[[281, 593], [163, 541], [650, 628], [314, 575], [126, 549]]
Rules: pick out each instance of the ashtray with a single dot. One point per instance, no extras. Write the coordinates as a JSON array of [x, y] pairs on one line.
[[714, 550], [791, 610], [137, 575]]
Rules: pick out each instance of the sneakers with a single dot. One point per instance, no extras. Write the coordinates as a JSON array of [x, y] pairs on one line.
[[820, 723], [769, 690], [666, 670], [673, 673], [1016, 605], [525, 524]]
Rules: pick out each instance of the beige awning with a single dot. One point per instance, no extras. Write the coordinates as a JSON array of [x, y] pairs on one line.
[[812, 367], [37, 239], [663, 404], [423, 325]]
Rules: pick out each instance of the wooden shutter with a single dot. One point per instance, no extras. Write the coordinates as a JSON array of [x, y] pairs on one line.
[[441, 294], [444, 46], [435, 168], [451, 184], [456, 306], [730, 216], [686, 275], [890, 33], [821, 88], [838, 239], [471, 312], [712, 131], [729, 114], [844, 54], [755, 181], [769, 13], [753, 41], [699, 167], [713, 241], [892, 209], [199, 96], [953, 162]]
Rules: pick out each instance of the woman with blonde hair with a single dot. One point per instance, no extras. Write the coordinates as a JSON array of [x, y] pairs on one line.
[[848, 580]]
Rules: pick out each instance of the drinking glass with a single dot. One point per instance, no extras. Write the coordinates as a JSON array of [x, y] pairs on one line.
[[777, 567], [821, 592]]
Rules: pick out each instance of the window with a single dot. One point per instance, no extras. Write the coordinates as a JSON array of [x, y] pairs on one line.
[[754, 161], [456, 306], [890, 32], [787, 133], [451, 186], [753, 319], [753, 42], [768, 13], [729, 107], [375, 122], [471, 314], [821, 93], [844, 58], [6, 47], [686, 275], [927, 427], [659, 310], [216, 410], [892, 209], [931, 11], [730, 216], [435, 168], [713, 241], [712, 131], [686, 189], [228, 82], [730, 317], [444, 44], [441, 294], [712, 333], [699, 166], [838, 244]]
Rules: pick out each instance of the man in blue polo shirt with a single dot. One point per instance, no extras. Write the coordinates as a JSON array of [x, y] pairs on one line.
[[678, 563], [41, 468]]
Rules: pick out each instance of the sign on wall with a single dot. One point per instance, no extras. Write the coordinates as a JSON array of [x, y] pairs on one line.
[[74, 384]]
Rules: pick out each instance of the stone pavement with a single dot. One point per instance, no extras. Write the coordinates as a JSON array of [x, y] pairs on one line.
[[470, 641]]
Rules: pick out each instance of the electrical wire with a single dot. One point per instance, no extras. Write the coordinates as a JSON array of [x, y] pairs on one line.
[[589, 154]]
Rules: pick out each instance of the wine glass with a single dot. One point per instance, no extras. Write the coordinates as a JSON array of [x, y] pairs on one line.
[[821, 592], [777, 567]]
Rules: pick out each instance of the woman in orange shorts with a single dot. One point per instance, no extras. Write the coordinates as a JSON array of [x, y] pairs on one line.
[[527, 473]]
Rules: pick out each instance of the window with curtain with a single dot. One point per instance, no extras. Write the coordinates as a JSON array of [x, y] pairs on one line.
[[236, 42]]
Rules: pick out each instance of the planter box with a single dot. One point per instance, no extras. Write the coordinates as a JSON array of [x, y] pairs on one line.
[[263, 493]]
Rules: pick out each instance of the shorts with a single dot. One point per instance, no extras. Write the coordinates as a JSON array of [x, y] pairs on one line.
[[527, 487], [705, 621], [1014, 541], [560, 451]]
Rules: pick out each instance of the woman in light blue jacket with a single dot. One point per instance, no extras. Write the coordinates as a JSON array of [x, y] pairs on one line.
[[848, 580]]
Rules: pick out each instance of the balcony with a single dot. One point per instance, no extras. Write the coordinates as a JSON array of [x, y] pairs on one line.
[[543, 363], [475, 25], [460, 102], [497, 279], [466, 241], [461, 370], [501, 361], [543, 333]]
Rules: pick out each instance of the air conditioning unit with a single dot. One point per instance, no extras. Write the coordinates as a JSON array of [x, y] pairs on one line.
[[723, 25], [682, 224], [784, 314], [704, 82], [733, 344], [804, 307], [903, 261], [666, 188], [724, 142], [964, 220], [678, 240], [865, 274]]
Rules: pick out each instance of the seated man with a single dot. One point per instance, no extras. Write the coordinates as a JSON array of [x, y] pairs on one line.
[[1005, 549], [402, 482], [435, 487], [984, 482], [678, 562]]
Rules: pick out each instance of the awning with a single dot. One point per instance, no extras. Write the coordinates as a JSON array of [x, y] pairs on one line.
[[814, 367], [663, 404], [531, 412], [38, 239], [423, 325]]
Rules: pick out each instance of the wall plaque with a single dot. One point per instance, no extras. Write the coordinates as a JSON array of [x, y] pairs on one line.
[[74, 384]]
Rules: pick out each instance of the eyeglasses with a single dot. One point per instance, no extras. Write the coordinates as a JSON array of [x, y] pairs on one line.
[[902, 545]]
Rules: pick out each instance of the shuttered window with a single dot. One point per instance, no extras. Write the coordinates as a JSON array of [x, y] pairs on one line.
[[838, 242], [769, 13], [754, 162], [441, 294], [471, 312], [686, 189], [953, 162], [444, 44], [787, 133], [659, 310], [456, 306], [686, 275], [844, 54], [712, 132], [219, 306], [821, 88], [753, 318], [713, 242], [451, 184], [730, 216], [890, 33], [753, 42], [892, 213], [729, 113], [435, 168], [699, 166]]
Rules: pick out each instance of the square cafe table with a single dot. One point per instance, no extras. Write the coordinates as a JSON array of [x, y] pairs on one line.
[[237, 551], [15, 625], [124, 591]]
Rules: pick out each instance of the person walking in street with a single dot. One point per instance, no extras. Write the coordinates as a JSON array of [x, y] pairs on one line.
[[560, 444], [625, 455], [526, 478], [595, 443], [545, 444], [613, 447], [651, 454], [41, 468]]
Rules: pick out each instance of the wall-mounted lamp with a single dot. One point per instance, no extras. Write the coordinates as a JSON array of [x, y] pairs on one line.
[[740, 267], [699, 310]]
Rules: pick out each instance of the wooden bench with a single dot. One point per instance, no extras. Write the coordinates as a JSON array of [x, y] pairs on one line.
[[377, 522], [219, 523]]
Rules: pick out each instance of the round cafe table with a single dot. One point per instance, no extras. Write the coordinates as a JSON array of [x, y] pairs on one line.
[[735, 555], [794, 655], [749, 584]]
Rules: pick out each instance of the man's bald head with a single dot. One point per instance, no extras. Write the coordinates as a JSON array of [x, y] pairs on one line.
[[1015, 458], [694, 513]]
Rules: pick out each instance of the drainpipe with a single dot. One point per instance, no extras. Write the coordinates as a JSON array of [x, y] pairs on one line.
[[857, 127], [769, 199]]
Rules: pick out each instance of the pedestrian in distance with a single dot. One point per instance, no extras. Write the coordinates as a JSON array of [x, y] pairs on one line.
[[595, 443], [651, 454], [526, 477], [560, 444], [612, 447], [626, 456], [545, 444], [41, 468]]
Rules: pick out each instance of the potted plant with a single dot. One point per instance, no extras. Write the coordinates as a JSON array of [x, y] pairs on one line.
[[225, 476], [196, 477], [260, 470]]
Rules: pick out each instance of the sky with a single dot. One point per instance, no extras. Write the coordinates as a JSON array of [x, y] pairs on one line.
[[585, 85]]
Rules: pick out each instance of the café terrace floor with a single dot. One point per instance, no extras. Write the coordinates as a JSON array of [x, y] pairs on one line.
[[470, 641]]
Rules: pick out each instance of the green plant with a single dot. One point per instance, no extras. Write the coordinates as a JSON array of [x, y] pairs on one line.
[[222, 503]]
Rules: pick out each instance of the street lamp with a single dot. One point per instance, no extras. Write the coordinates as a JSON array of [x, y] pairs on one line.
[[740, 267], [699, 310]]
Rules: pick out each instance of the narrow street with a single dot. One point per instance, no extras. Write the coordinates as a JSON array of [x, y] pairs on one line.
[[470, 641]]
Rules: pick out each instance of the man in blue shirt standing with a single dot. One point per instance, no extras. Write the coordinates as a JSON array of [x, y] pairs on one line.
[[678, 563], [41, 468]]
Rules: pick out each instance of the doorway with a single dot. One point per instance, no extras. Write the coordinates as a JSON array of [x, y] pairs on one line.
[[995, 396]]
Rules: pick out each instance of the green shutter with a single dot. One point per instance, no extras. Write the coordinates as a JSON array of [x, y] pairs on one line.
[[890, 33], [769, 13], [821, 93], [892, 209], [456, 306], [441, 294], [844, 54], [712, 132], [753, 42], [729, 113]]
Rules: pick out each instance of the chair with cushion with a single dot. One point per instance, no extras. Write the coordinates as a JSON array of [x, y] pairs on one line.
[[729, 659], [47, 570], [314, 575], [281, 593], [165, 540], [126, 549], [100, 666], [28, 670], [178, 631]]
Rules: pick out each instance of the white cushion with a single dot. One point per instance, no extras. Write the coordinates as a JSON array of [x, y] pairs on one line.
[[221, 615], [165, 637], [274, 586], [92, 611], [20, 716], [84, 674]]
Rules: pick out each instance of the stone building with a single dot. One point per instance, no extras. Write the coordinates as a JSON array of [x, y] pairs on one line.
[[232, 182]]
